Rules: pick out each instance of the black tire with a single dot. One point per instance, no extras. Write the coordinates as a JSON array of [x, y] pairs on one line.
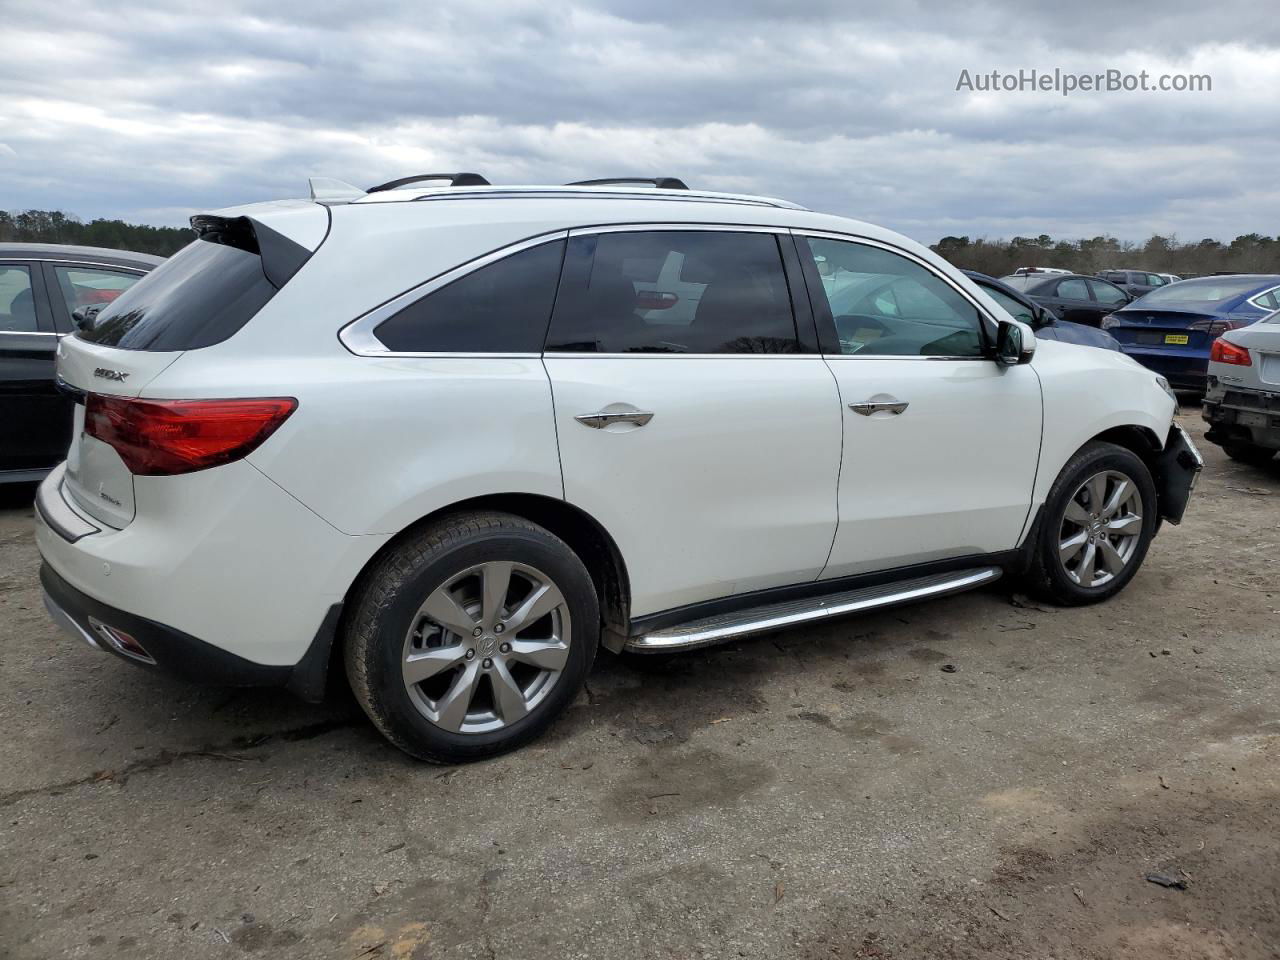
[[386, 605], [1048, 577], [1249, 453]]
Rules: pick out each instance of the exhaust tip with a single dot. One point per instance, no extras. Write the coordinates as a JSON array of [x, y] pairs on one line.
[[121, 642]]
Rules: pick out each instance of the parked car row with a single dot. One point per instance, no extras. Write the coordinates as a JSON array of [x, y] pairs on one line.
[[1166, 324], [41, 286]]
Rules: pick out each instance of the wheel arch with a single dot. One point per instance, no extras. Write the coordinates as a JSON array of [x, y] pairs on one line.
[[1139, 440], [585, 535]]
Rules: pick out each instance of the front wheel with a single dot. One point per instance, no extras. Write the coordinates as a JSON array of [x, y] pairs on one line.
[[1096, 526], [471, 636]]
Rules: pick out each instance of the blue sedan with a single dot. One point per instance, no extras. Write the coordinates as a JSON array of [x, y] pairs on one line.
[[1171, 329], [1047, 327]]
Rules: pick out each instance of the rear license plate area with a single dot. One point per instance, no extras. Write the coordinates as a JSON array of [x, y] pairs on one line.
[[1178, 339], [1149, 338], [1246, 419]]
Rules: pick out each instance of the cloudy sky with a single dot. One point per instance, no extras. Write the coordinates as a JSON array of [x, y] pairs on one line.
[[151, 112]]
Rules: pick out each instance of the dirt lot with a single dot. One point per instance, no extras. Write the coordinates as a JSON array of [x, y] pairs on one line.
[[828, 793]]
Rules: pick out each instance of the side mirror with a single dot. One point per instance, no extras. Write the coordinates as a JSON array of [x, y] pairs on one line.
[[1014, 344]]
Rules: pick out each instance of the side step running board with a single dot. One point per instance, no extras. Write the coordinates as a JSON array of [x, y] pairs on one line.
[[790, 613]]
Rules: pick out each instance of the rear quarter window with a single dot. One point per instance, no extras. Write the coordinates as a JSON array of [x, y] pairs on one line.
[[200, 296], [502, 307]]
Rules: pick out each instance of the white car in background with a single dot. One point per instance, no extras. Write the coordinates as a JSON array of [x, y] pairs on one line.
[[443, 436], [1242, 399]]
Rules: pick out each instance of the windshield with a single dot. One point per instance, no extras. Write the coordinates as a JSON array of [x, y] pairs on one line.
[[1011, 306], [1206, 290]]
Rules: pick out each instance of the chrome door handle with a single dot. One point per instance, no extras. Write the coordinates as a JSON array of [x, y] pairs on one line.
[[868, 407], [601, 420]]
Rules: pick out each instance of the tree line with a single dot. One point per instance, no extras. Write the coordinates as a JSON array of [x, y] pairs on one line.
[[54, 226], [1249, 253]]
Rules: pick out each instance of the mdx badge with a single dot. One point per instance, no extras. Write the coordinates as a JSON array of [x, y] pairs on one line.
[[106, 374]]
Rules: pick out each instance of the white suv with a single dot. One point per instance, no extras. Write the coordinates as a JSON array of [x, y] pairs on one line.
[[461, 436]]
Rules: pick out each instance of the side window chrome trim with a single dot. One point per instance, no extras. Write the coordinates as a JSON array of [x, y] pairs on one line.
[[1253, 301], [989, 324], [659, 355], [642, 227], [358, 337], [93, 265]]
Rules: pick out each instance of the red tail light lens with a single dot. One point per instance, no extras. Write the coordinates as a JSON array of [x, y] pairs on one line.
[[1216, 328], [1224, 352], [158, 438]]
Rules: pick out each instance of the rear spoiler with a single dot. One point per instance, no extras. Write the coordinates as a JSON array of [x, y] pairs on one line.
[[281, 257]]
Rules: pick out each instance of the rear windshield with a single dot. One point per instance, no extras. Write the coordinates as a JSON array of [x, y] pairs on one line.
[[1027, 281], [198, 297], [1207, 290]]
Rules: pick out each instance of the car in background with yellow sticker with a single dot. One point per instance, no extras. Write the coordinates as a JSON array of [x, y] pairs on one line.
[[1172, 328]]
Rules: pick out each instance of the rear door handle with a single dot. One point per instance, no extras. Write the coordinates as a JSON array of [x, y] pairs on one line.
[[601, 420], [868, 407]]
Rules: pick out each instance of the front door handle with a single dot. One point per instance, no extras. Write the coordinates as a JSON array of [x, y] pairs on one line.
[[868, 407], [601, 420]]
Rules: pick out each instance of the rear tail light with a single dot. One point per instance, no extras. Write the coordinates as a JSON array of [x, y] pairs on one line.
[[157, 438], [1224, 352], [1215, 328]]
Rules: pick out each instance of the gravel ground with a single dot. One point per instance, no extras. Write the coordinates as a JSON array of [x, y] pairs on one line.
[[825, 792]]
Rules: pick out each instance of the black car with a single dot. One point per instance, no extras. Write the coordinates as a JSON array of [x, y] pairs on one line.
[[1135, 283], [1072, 297], [1045, 324], [41, 285]]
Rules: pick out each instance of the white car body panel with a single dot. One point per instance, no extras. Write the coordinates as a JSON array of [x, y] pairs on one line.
[[950, 476], [729, 488], [224, 555], [1088, 392], [736, 485], [1262, 340]]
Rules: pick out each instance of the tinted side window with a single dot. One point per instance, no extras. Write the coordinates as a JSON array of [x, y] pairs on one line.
[[1106, 293], [499, 308], [883, 304], [677, 291], [17, 305], [88, 286], [1073, 289]]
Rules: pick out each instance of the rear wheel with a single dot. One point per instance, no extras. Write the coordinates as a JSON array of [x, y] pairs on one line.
[[1249, 453], [471, 636], [1096, 526]]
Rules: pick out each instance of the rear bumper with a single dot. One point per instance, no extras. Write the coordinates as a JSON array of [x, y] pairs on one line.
[[1183, 370], [1241, 415], [169, 650], [222, 579]]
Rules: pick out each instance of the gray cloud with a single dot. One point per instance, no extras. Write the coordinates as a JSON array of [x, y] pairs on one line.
[[151, 112]]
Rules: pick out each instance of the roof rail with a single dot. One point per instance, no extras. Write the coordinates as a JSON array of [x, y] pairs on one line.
[[662, 183], [455, 180]]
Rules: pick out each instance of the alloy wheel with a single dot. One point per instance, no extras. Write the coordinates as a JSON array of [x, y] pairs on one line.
[[1101, 528], [486, 647]]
